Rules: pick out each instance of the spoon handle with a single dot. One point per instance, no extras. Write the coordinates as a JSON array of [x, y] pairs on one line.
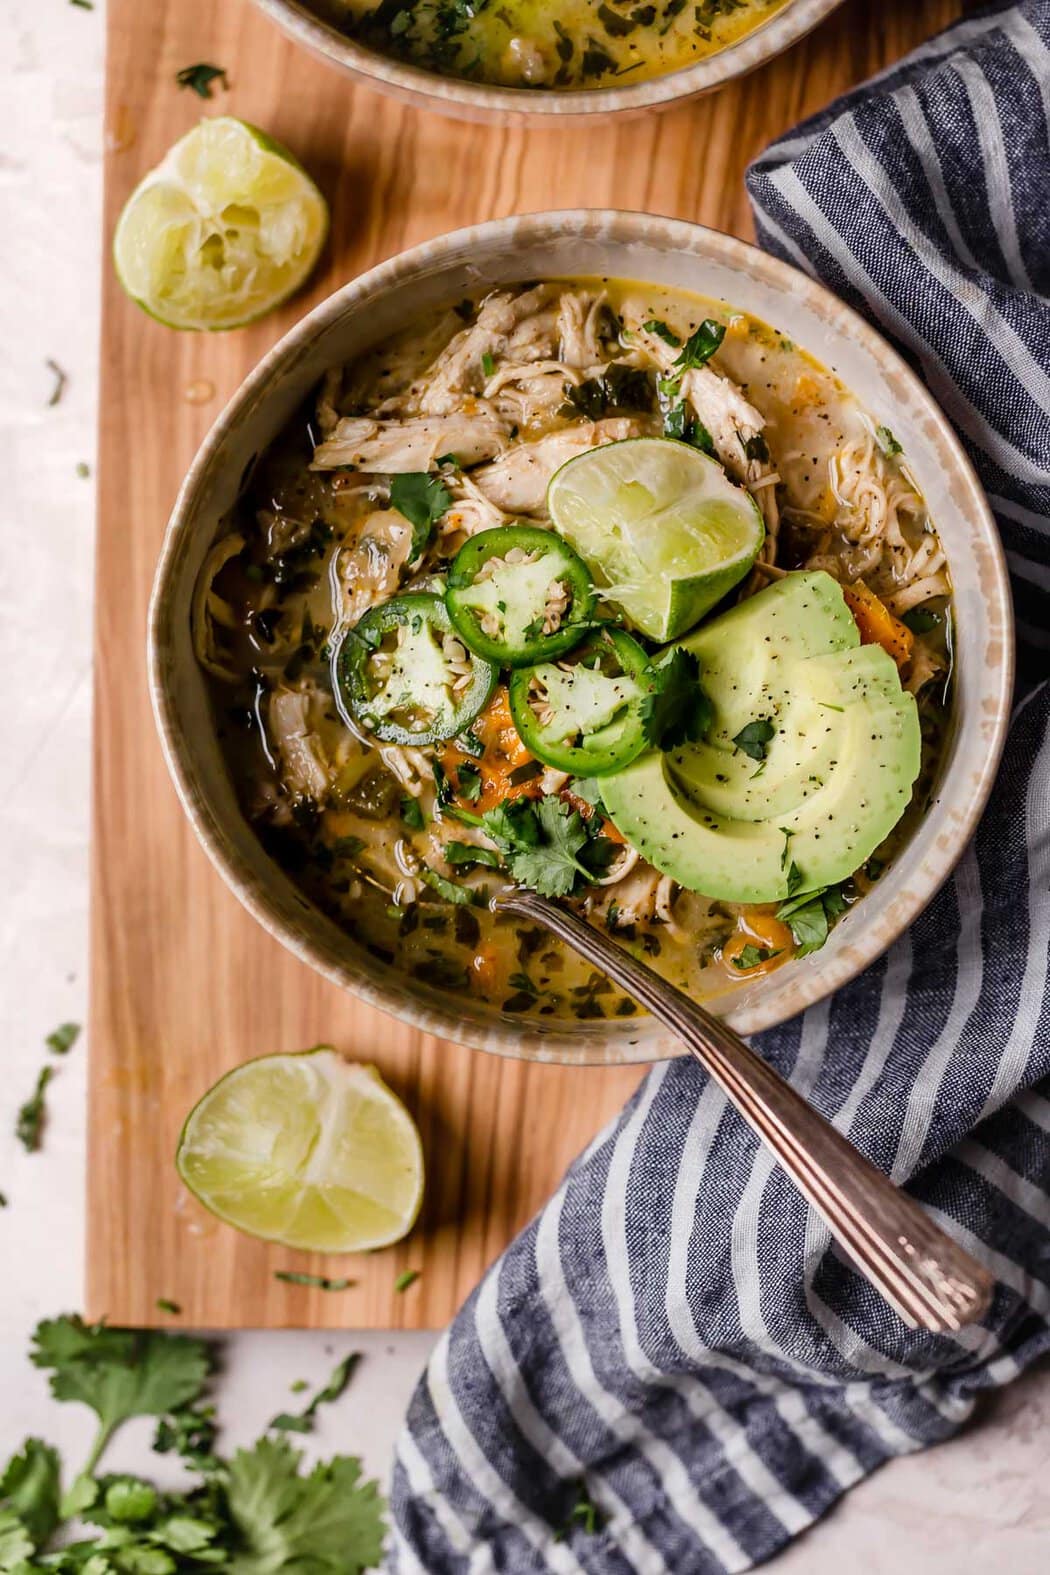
[[931, 1281]]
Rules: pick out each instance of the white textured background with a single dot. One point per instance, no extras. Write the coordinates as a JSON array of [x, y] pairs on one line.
[[954, 1511]]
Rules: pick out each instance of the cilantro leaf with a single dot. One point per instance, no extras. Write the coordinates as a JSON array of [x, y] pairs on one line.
[[327, 1522], [119, 1373], [468, 783], [63, 1038], [29, 1489], [16, 1545], [200, 78], [589, 789], [751, 956], [677, 711], [655, 325], [412, 813], [445, 888], [465, 854], [755, 446], [679, 424], [540, 844], [422, 499], [405, 1279], [320, 1282], [701, 345], [512, 825], [303, 1421], [808, 925], [753, 738], [887, 442], [920, 620], [29, 1126]]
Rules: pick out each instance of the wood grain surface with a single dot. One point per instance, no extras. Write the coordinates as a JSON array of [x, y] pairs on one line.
[[184, 984]]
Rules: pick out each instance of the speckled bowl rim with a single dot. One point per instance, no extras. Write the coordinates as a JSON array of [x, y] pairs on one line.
[[875, 924], [470, 100]]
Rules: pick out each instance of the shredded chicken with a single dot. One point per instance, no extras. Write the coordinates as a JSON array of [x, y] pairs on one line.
[[305, 768], [397, 447], [371, 570], [517, 481]]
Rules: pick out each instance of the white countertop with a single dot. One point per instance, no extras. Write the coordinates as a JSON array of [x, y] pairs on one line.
[[952, 1511]]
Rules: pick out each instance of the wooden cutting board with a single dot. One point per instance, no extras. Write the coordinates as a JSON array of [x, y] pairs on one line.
[[184, 983]]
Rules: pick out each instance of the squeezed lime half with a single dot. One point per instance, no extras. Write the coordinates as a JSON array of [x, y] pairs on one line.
[[309, 1150], [664, 530], [226, 227]]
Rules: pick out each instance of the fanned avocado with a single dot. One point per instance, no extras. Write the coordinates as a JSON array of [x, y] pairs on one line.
[[809, 763]]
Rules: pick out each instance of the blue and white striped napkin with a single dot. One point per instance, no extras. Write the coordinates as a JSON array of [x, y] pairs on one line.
[[672, 1369]]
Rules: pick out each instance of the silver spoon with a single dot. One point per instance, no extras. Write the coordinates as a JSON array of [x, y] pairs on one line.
[[931, 1281]]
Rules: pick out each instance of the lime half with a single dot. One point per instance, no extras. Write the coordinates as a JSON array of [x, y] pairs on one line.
[[661, 526], [309, 1150], [225, 228]]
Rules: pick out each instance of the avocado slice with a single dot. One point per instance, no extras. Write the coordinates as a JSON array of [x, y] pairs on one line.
[[820, 792]]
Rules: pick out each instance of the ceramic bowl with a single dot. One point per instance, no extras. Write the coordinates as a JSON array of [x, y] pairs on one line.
[[478, 101], [661, 251]]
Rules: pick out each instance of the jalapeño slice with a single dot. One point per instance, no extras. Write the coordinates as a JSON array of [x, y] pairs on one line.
[[402, 672], [519, 595], [586, 715]]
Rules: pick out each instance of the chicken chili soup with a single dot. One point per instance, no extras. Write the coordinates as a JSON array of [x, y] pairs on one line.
[[605, 589], [532, 44]]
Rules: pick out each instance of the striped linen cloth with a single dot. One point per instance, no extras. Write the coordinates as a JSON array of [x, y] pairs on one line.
[[672, 1368]]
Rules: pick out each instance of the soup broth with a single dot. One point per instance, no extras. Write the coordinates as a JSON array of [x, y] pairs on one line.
[[529, 44], [454, 428]]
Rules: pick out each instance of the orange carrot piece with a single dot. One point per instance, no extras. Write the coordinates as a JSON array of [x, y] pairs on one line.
[[877, 624]]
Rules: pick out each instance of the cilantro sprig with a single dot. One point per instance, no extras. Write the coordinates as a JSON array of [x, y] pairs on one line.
[[422, 499], [809, 916], [547, 845], [677, 711], [257, 1513]]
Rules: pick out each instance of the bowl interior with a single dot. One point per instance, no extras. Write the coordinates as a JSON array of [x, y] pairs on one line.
[[656, 251], [308, 26]]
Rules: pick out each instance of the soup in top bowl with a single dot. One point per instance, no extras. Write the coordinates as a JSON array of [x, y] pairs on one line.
[[600, 587], [571, 45]]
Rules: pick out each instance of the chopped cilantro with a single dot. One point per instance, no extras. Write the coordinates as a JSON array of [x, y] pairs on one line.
[[656, 326], [465, 854], [920, 620], [754, 738], [320, 1282], [751, 956], [403, 1281], [809, 914], [165, 1304], [200, 78], [887, 442], [680, 425], [468, 783], [303, 1421], [755, 446], [677, 711], [589, 789], [701, 345], [29, 1126], [412, 813], [63, 1038], [448, 889], [61, 379], [488, 364], [585, 1516], [422, 499]]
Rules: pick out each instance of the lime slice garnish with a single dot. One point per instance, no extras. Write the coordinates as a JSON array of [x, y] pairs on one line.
[[661, 527], [224, 228], [309, 1150]]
